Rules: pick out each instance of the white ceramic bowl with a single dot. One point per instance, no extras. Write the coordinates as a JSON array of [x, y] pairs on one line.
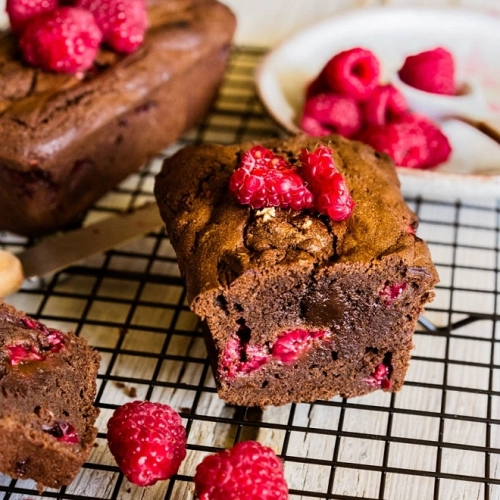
[[473, 170]]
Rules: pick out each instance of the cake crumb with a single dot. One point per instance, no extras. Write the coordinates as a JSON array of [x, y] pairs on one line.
[[131, 392], [267, 213]]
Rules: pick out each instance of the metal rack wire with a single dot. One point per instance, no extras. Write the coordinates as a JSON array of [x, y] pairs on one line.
[[438, 438]]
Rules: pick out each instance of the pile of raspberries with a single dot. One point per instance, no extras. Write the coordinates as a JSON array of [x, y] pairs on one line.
[[148, 442], [347, 98], [265, 179], [64, 36]]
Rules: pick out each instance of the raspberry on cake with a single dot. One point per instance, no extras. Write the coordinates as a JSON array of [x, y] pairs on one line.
[[64, 40], [47, 389], [21, 12], [69, 138], [299, 305], [123, 22]]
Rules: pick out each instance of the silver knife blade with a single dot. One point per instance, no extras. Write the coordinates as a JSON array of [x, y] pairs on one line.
[[56, 253]]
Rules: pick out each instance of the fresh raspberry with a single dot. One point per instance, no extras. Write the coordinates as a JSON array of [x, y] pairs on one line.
[[290, 346], [313, 127], [404, 142], [380, 377], [248, 471], [260, 157], [431, 71], [331, 194], [318, 86], [438, 145], [333, 198], [147, 440], [21, 12], [391, 292], [65, 40], [354, 73], [266, 180], [386, 104], [122, 22], [317, 165], [62, 431], [240, 357], [338, 114]]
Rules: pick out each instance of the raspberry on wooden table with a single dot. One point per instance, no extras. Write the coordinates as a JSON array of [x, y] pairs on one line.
[[21, 12], [64, 40], [431, 71], [122, 22], [248, 471], [353, 72], [147, 440]]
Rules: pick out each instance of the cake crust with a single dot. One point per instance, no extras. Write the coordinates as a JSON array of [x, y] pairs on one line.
[[254, 275]]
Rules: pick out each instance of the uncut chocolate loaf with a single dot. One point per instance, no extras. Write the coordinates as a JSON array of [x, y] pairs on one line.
[[69, 139], [47, 389], [297, 307]]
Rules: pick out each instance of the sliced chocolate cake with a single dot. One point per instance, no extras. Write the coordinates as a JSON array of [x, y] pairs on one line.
[[47, 389], [301, 258]]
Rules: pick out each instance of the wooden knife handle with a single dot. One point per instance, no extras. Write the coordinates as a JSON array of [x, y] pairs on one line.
[[11, 273]]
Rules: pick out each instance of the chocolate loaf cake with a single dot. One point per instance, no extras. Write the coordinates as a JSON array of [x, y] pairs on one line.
[[296, 306], [47, 389], [68, 139]]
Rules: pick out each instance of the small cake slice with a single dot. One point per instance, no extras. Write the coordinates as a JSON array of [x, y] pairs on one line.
[[298, 305], [47, 389]]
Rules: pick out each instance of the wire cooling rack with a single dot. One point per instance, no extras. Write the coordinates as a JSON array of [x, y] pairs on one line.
[[438, 438]]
